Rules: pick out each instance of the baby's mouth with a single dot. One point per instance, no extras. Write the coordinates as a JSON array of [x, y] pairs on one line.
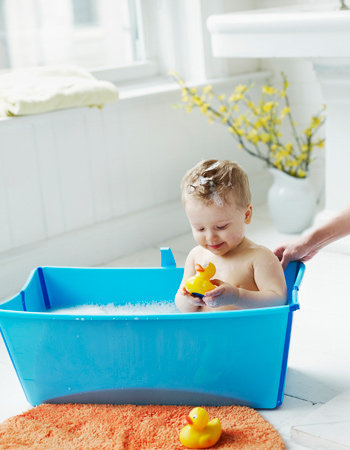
[[215, 247]]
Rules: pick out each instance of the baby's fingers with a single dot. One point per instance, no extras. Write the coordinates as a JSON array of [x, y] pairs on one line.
[[185, 291], [196, 301], [212, 302], [213, 293]]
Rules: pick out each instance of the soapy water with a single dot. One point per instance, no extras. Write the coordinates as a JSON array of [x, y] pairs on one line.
[[128, 309]]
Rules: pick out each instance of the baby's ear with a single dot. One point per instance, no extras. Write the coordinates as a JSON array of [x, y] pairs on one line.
[[248, 214]]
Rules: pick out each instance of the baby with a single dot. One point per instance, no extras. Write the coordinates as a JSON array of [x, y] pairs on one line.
[[216, 197]]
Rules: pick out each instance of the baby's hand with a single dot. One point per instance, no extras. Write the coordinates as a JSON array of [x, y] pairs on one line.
[[224, 294], [195, 301]]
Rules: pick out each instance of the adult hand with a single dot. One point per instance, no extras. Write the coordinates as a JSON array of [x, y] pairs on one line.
[[224, 294], [307, 246], [300, 250]]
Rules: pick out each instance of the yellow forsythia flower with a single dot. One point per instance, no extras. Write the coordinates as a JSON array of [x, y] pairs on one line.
[[320, 143], [264, 137], [268, 106], [240, 88], [234, 107], [207, 89], [252, 136], [315, 122], [236, 97], [308, 132], [237, 121], [197, 100], [269, 90], [285, 111]]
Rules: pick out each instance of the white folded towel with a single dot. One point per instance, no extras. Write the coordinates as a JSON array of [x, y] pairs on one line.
[[40, 89]]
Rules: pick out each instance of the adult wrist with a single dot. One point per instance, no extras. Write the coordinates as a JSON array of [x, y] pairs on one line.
[[319, 238]]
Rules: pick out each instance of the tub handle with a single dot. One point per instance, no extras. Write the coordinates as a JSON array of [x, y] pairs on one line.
[[167, 258]]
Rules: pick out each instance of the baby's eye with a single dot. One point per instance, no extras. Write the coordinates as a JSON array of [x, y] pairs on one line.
[[222, 228], [200, 229]]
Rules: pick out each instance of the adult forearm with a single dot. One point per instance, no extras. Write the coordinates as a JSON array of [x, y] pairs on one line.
[[336, 228]]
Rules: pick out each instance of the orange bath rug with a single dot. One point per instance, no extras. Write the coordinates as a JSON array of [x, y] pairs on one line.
[[130, 427]]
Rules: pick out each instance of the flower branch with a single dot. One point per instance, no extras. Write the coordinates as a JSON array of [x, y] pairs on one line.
[[256, 125]]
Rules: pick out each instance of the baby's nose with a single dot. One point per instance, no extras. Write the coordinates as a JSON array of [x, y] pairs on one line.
[[211, 234]]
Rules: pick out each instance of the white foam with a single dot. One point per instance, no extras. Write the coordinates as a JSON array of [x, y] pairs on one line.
[[217, 199], [205, 180], [213, 166], [124, 310]]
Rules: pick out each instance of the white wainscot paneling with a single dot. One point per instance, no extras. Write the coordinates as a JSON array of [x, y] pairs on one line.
[[116, 154], [97, 144], [49, 176], [5, 226], [73, 165], [20, 187], [139, 133]]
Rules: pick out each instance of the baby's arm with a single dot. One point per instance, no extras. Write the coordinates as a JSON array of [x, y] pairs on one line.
[[185, 302], [269, 279]]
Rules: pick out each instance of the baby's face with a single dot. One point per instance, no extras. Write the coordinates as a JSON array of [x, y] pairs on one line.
[[218, 228]]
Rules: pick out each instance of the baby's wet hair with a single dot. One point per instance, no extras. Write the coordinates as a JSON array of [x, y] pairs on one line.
[[212, 181]]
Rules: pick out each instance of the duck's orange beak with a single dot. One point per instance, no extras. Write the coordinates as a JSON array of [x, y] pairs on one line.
[[199, 268], [188, 420]]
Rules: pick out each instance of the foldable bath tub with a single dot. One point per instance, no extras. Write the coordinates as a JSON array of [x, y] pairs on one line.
[[220, 358]]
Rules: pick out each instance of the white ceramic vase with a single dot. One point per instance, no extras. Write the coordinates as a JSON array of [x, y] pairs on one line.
[[292, 202]]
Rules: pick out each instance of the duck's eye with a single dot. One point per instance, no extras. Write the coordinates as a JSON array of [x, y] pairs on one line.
[[194, 416]]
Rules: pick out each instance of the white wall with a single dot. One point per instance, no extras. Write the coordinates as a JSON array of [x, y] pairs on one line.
[[304, 92]]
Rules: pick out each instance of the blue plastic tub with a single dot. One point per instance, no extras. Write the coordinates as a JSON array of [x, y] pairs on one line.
[[229, 357]]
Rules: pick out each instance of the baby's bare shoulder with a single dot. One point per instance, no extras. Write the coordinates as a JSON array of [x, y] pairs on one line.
[[195, 254], [259, 252], [195, 251]]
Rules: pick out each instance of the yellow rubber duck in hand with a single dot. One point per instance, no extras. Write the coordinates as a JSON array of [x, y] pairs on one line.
[[199, 284], [200, 433]]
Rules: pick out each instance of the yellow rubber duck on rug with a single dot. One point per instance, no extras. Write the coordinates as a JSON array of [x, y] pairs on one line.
[[200, 433]]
